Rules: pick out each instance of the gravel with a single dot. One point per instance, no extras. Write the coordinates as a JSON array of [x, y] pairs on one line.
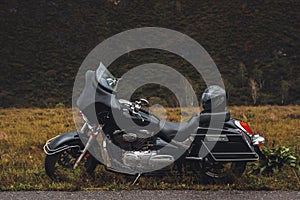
[[153, 194]]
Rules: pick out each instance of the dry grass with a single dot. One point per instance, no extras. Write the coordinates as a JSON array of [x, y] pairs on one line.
[[23, 133]]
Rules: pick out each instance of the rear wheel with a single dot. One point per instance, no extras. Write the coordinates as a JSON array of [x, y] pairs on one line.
[[60, 166], [219, 170]]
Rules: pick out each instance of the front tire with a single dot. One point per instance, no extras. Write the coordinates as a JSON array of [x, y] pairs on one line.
[[59, 166]]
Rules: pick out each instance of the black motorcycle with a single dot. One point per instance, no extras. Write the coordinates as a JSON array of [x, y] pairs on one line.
[[210, 143]]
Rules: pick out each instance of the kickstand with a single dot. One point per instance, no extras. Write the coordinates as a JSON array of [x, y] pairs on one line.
[[136, 179]]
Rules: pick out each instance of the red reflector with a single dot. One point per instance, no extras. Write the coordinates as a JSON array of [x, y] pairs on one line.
[[79, 113], [92, 133], [87, 155], [246, 127], [259, 144]]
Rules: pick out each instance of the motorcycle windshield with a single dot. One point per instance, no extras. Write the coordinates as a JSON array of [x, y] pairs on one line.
[[105, 78]]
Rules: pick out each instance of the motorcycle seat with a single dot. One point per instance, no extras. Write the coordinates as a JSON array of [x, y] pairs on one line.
[[181, 129], [205, 117], [184, 129]]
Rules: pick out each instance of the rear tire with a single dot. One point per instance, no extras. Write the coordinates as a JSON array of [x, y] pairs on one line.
[[222, 170]]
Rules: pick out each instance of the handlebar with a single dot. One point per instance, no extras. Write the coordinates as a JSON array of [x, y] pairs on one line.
[[135, 107]]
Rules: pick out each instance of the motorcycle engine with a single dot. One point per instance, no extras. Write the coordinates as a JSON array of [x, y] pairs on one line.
[[146, 160], [132, 142]]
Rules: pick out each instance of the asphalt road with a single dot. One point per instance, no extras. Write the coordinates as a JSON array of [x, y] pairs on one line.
[[153, 194]]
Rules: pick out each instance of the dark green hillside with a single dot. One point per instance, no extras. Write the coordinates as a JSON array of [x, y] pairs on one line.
[[254, 43]]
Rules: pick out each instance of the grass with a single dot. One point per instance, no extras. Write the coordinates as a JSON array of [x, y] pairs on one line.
[[23, 133]]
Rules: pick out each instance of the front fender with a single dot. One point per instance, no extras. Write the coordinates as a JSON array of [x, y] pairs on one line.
[[59, 142]]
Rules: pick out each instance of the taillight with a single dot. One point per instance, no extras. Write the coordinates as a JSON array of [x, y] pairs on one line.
[[246, 127]]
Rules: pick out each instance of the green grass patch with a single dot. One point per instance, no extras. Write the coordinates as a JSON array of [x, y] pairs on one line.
[[23, 133]]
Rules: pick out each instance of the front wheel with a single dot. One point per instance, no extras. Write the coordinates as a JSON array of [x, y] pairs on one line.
[[60, 165]]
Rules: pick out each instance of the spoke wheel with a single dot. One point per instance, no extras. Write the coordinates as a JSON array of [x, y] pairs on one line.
[[59, 166], [219, 170]]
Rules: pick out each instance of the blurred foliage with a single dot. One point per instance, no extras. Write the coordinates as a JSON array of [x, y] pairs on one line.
[[44, 44], [275, 159]]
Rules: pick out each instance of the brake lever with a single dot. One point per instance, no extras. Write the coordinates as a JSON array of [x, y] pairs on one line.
[[138, 115], [133, 108]]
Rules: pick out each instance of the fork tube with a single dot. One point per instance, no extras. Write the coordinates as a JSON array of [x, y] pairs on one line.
[[83, 128], [88, 144]]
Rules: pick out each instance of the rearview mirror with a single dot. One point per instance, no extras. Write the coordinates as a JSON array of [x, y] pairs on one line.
[[144, 102]]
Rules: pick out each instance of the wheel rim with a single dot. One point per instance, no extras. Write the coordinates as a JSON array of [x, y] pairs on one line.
[[67, 158], [216, 170], [63, 168], [221, 170]]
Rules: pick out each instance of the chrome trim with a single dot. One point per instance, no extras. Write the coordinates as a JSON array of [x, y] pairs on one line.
[[50, 151], [231, 135], [256, 139], [193, 158], [216, 138], [228, 153]]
